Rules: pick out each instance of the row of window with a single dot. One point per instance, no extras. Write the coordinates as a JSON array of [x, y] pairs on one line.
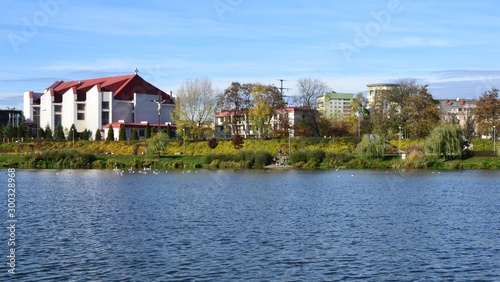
[[81, 116], [81, 107]]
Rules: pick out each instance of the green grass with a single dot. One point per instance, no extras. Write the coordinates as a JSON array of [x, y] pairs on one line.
[[323, 153]]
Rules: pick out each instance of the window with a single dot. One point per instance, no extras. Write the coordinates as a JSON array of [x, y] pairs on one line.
[[105, 105], [80, 116], [105, 118], [57, 108], [80, 107], [142, 133], [57, 119]]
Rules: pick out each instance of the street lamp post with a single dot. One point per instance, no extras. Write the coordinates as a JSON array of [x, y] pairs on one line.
[[495, 139], [399, 141]]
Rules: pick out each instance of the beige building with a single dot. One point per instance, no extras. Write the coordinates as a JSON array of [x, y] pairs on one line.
[[335, 105], [376, 89], [457, 111]]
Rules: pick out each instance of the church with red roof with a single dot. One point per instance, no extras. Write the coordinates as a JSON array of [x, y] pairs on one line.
[[95, 104]]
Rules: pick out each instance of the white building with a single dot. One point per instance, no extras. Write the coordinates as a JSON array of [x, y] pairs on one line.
[[228, 123], [93, 104], [376, 89]]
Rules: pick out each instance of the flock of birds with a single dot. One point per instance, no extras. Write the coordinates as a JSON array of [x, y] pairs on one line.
[[145, 170]]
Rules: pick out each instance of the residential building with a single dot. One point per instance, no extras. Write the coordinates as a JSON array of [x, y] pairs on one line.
[[93, 104], [377, 89], [335, 105], [228, 123], [458, 111]]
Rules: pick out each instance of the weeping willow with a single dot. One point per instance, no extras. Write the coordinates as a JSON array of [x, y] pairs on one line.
[[445, 140], [371, 146]]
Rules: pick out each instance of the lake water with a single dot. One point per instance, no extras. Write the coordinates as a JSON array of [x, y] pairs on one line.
[[288, 225]]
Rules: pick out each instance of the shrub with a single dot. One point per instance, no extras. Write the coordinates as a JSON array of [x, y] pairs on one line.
[[315, 155], [297, 156], [262, 158]]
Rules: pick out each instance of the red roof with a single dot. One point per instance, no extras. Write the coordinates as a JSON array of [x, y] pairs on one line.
[[123, 87], [138, 125]]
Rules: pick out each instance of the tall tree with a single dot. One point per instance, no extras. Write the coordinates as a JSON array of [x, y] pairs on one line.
[[195, 106], [48, 132], [408, 105], [358, 121], [488, 112], [420, 114], [308, 91], [236, 100], [267, 99]]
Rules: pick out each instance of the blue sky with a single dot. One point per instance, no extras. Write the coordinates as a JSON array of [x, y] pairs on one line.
[[451, 45]]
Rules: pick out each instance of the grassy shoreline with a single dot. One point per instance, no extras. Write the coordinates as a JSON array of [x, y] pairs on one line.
[[316, 153]]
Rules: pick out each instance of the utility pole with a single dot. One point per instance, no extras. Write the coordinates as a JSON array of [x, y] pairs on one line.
[[282, 88]]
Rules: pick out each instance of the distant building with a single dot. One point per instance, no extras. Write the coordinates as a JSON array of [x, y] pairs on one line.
[[11, 117], [458, 111], [282, 121], [93, 104], [376, 89], [335, 105]]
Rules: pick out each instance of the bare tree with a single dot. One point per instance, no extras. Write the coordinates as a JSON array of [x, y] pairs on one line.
[[195, 106], [309, 90]]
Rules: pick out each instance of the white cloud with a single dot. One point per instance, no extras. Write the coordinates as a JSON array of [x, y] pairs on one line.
[[411, 42]]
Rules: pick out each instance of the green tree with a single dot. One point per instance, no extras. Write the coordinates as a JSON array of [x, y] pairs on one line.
[[148, 131], [59, 133], [122, 134], [48, 132], [371, 146], [445, 140], [86, 134], [487, 112], [40, 133], [266, 100], [420, 114], [72, 133], [98, 136], [20, 130], [168, 131], [111, 134], [29, 132], [135, 134], [158, 144], [358, 121]]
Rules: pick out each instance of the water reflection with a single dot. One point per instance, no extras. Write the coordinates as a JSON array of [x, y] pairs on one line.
[[259, 225]]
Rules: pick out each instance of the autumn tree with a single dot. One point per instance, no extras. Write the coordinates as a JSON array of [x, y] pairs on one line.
[[487, 112], [237, 141], [158, 144], [408, 105], [195, 106], [213, 143], [236, 100], [266, 100], [419, 114], [308, 91], [358, 121]]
